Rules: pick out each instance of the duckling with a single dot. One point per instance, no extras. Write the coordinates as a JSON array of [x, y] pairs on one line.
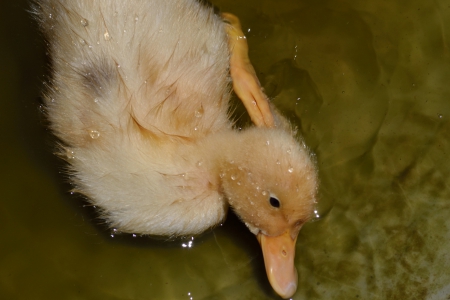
[[139, 98]]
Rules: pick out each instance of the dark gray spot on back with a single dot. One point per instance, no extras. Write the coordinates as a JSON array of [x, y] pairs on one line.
[[99, 76]]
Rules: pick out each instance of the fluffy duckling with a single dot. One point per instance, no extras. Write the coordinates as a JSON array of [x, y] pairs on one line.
[[139, 99]]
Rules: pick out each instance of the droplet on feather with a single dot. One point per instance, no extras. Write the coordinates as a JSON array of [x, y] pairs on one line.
[[70, 154], [199, 113], [94, 134]]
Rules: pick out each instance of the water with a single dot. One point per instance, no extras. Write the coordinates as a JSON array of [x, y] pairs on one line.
[[372, 78]]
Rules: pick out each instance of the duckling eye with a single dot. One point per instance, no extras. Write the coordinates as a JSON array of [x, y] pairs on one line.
[[274, 202]]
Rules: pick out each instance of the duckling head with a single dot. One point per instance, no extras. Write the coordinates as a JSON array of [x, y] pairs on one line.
[[271, 184]]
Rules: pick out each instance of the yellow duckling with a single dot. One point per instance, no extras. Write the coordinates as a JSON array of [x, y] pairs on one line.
[[139, 99]]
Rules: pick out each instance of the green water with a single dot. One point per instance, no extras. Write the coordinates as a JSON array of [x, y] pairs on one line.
[[367, 82]]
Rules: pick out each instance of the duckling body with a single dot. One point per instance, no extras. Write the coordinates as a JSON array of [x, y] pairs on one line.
[[139, 98]]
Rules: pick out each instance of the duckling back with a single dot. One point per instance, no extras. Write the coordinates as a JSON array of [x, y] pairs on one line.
[[134, 85], [158, 65]]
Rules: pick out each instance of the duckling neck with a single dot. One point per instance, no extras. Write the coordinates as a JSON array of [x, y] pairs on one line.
[[227, 152]]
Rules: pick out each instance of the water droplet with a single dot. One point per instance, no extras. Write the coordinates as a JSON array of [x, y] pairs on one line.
[[136, 19], [240, 168], [107, 36], [84, 22], [231, 161], [96, 100], [289, 151], [94, 134], [195, 128], [233, 177], [134, 235], [82, 42], [199, 113], [112, 235], [258, 188], [291, 169], [264, 193], [278, 162], [267, 143], [343, 92], [221, 175], [70, 154], [200, 163], [238, 183], [160, 29], [440, 116], [50, 16], [254, 102], [252, 203]]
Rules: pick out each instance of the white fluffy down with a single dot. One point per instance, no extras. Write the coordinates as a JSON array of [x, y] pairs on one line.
[[139, 99]]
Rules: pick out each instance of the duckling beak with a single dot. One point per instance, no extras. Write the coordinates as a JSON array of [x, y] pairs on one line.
[[279, 253]]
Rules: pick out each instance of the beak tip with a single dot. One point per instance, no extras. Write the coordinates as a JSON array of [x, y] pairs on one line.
[[288, 290]]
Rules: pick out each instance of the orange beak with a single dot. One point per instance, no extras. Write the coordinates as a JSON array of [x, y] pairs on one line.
[[279, 253]]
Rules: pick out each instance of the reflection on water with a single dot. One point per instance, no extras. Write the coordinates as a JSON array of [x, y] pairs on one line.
[[367, 85]]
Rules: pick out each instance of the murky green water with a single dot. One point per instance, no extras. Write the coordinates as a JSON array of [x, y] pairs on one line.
[[368, 84]]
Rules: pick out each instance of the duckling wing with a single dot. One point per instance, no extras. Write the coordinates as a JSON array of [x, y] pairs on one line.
[[183, 71]]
